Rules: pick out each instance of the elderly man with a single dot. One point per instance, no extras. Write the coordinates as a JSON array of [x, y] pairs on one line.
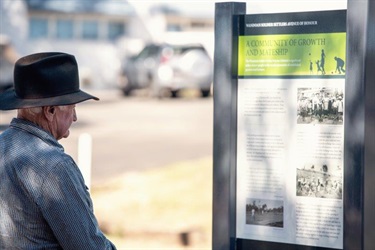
[[44, 203]]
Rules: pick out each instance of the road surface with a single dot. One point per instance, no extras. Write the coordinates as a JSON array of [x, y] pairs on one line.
[[138, 133]]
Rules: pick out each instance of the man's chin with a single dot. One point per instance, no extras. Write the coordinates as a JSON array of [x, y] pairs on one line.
[[66, 135]]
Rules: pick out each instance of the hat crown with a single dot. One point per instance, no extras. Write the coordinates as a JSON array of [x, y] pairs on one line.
[[45, 75], [44, 79]]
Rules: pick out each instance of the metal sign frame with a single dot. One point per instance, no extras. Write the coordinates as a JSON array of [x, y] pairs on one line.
[[359, 138]]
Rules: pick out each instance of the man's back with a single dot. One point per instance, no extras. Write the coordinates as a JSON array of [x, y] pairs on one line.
[[43, 199]]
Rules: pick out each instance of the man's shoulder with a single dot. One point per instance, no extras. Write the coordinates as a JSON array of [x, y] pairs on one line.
[[29, 153], [51, 160]]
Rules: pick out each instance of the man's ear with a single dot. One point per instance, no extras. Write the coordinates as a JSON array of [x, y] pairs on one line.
[[49, 112]]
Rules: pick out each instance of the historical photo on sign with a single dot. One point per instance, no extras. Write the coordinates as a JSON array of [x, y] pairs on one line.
[[265, 212], [320, 181], [320, 106]]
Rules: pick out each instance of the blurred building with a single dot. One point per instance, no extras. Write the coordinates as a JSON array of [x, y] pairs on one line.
[[100, 33], [186, 22], [88, 29], [14, 23], [178, 18], [78, 20]]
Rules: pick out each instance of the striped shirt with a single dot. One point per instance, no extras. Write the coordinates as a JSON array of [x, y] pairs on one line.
[[44, 203]]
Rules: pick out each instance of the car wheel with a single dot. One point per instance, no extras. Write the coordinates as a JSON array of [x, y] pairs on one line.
[[205, 92], [174, 93], [126, 91]]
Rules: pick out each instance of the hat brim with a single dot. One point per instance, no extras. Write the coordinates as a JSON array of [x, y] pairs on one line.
[[9, 100]]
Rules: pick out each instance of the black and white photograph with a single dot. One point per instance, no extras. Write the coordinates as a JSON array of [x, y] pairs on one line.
[[320, 180], [320, 106], [263, 212]]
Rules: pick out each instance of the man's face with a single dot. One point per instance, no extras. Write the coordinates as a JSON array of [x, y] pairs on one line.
[[64, 117]]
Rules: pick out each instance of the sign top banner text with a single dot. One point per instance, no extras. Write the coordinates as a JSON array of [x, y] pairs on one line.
[[293, 23], [293, 45]]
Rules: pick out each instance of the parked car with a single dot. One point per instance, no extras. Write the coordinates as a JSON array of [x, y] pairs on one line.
[[167, 67]]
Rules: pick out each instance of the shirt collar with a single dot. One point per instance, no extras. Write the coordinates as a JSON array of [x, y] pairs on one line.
[[37, 131]]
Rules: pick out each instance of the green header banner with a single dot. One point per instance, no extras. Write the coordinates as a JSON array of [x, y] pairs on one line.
[[292, 55], [311, 55]]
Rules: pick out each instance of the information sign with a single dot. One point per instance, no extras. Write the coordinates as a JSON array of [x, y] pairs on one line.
[[290, 128], [294, 122]]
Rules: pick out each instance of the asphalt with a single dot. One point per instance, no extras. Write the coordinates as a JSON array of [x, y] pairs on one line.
[[137, 133]]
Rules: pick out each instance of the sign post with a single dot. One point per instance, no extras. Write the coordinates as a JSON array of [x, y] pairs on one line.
[[294, 129], [225, 92]]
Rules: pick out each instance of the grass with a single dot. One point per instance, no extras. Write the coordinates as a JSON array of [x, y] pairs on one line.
[[164, 208]]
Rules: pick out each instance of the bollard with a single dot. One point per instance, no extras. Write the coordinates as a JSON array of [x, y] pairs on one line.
[[184, 238], [84, 157]]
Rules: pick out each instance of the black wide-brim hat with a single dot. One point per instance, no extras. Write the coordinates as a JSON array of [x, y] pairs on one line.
[[44, 79]]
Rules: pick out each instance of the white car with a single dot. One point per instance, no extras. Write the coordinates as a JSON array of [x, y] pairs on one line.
[[166, 67]]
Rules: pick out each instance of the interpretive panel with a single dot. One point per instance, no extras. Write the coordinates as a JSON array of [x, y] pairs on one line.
[[290, 128]]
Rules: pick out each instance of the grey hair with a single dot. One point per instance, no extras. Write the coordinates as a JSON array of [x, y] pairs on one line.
[[36, 110], [64, 107], [30, 111]]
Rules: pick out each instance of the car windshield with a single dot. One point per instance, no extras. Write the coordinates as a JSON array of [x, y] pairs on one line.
[[169, 50], [182, 50], [149, 51]]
